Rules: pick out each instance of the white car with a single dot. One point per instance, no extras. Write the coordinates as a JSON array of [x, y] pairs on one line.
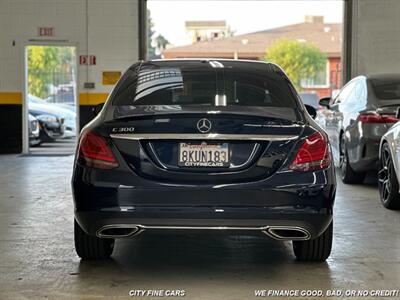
[[389, 167], [34, 131]]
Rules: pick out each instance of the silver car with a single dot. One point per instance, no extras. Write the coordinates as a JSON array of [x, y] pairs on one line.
[[34, 131], [389, 167], [357, 118]]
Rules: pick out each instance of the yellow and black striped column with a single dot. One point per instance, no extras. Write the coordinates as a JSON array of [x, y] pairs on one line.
[[11, 115], [10, 122]]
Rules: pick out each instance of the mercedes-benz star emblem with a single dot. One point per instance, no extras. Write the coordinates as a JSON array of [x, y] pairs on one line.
[[204, 125]]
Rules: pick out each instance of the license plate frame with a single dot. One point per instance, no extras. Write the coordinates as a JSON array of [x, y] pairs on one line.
[[203, 155]]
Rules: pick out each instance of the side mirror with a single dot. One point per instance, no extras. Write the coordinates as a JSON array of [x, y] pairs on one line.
[[398, 113], [311, 111], [325, 102], [97, 109]]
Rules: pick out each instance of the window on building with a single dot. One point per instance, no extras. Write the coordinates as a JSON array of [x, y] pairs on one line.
[[321, 79]]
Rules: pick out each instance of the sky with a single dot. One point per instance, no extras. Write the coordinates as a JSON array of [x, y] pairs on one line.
[[242, 16]]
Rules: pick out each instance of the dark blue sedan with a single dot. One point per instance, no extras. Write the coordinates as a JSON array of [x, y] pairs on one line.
[[204, 145]]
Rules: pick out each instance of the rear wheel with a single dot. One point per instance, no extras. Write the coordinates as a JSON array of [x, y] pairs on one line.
[[347, 174], [91, 247], [387, 180], [317, 249], [36, 144]]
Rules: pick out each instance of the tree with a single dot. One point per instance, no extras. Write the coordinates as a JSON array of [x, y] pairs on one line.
[[151, 50], [42, 61], [161, 43], [155, 45], [45, 63], [299, 60]]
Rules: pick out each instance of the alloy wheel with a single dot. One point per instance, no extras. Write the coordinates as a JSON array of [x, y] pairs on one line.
[[342, 158], [384, 176]]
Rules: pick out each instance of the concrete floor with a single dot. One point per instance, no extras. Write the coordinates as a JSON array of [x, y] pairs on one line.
[[58, 147], [37, 258]]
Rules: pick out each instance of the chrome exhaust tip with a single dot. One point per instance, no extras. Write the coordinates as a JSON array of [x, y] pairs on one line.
[[288, 233], [118, 231]]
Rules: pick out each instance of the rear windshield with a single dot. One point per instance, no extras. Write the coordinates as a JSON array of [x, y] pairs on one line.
[[190, 85], [386, 89]]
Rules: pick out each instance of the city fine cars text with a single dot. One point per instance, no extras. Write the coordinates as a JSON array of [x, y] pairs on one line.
[[157, 293]]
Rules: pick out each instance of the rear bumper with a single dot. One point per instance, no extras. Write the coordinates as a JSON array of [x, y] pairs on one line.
[[251, 219], [363, 146], [303, 200], [366, 158]]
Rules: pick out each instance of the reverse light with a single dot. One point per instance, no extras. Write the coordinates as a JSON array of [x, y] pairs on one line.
[[314, 154], [377, 119], [95, 152]]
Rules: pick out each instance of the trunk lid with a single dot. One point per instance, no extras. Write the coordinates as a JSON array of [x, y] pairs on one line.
[[256, 140], [388, 113]]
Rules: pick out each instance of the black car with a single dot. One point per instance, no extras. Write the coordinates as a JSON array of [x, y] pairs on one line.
[[357, 118], [51, 127], [204, 145]]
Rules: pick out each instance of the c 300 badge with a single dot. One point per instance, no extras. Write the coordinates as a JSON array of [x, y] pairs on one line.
[[123, 129]]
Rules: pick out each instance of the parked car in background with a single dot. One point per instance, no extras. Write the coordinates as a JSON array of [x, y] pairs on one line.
[[51, 126], [68, 115], [357, 119], [67, 106], [204, 144], [34, 131]]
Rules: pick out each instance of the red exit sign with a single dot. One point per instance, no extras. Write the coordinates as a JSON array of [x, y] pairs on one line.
[[87, 60], [46, 31]]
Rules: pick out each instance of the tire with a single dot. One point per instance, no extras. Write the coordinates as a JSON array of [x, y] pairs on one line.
[[39, 142], [90, 247], [347, 174], [317, 250], [387, 180]]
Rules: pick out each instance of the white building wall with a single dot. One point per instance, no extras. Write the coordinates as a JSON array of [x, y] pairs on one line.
[[105, 28], [375, 37]]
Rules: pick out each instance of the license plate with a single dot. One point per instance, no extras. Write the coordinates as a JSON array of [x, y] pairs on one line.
[[203, 155]]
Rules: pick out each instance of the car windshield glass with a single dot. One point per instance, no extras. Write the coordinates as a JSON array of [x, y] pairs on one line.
[[386, 89], [191, 84]]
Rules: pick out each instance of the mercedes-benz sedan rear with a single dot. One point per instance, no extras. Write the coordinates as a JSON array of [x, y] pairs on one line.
[[204, 145]]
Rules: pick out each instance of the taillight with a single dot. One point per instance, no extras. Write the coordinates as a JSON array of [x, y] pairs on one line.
[[376, 118], [314, 154], [95, 152]]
